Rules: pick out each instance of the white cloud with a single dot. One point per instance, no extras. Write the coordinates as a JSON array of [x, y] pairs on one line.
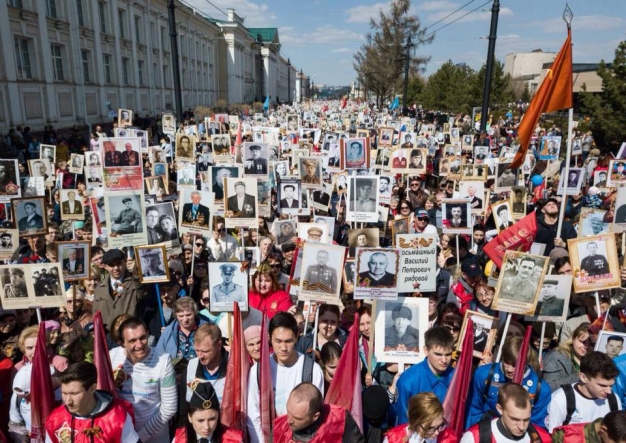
[[479, 15], [327, 34], [582, 23], [363, 13], [338, 50], [255, 14], [437, 6]]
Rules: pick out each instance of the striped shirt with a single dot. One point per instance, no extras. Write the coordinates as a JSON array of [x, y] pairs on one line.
[[150, 386]]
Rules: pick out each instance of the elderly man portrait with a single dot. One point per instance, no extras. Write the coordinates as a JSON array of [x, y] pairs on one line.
[[401, 335], [71, 264], [376, 274], [128, 219], [241, 204], [321, 277]]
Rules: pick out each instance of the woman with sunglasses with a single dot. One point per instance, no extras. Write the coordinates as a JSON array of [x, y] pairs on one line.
[[425, 421], [405, 209], [562, 365]]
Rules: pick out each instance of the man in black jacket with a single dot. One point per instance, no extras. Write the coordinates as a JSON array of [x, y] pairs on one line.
[[547, 224]]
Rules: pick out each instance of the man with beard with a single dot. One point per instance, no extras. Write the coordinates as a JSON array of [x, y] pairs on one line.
[[401, 336], [547, 221]]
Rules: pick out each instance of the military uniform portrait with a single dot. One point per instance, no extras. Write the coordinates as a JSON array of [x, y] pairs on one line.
[[126, 217], [520, 282], [124, 118], [29, 214], [228, 285], [152, 264], [505, 177], [321, 272], [553, 299], [9, 183], [13, 283], [594, 262], [363, 195], [285, 231], [310, 172], [221, 144], [256, 159], [485, 329], [9, 241]]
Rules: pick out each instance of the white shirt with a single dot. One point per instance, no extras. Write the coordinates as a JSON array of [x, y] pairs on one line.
[[497, 436]]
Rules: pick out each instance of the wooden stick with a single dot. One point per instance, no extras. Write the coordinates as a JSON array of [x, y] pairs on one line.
[[317, 316], [193, 253], [504, 332], [157, 290], [73, 300], [543, 333], [370, 343], [458, 259]]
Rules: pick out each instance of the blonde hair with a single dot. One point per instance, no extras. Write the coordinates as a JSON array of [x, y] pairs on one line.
[[424, 409], [29, 332], [567, 347], [185, 304]]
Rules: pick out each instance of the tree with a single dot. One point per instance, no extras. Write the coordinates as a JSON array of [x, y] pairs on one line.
[[449, 89], [502, 91], [608, 108], [415, 89], [380, 62]]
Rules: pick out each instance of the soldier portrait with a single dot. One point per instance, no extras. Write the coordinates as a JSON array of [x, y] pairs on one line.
[[125, 217], [13, 282], [377, 269], [152, 264], [520, 281], [256, 159], [228, 285], [9, 183], [284, 231], [363, 194], [399, 329], [124, 118], [553, 299], [322, 267], [594, 262], [310, 172], [484, 327], [30, 216]]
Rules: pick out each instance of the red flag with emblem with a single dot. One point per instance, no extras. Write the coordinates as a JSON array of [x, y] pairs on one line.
[[518, 237]]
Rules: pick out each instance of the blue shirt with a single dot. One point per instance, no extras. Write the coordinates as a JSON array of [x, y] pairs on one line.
[[420, 378]]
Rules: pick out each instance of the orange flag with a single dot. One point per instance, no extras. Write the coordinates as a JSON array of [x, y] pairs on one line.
[[555, 92]]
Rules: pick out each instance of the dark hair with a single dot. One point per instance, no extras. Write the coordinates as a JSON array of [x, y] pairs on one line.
[[438, 336], [83, 372], [364, 309], [597, 363], [130, 323], [330, 308], [284, 320], [308, 392], [615, 423], [514, 392], [560, 262], [615, 338], [329, 352]]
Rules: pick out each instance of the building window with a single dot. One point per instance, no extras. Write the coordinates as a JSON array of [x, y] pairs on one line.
[[16, 4], [165, 76], [22, 53], [153, 34], [125, 71], [51, 8], [138, 35], [121, 16], [57, 62], [85, 57], [80, 13], [164, 38], [108, 79], [102, 15], [140, 70], [155, 75]]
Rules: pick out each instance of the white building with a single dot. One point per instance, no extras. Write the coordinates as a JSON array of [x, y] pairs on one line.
[[526, 67], [68, 62]]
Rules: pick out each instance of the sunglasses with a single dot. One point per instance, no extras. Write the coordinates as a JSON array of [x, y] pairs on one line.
[[206, 300], [221, 230], [454, 328], [404, 207], [199, 244], [423, 218], [415, 184]]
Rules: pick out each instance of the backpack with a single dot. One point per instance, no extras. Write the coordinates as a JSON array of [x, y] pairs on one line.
[[307, 370], [492, 369], [570, 401], [486, 436]]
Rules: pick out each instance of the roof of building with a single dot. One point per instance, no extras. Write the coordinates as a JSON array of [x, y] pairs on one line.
[[267, 34], [580, 67]]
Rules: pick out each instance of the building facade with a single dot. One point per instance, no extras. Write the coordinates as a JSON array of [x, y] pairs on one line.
[[76, 62], [525, 67]]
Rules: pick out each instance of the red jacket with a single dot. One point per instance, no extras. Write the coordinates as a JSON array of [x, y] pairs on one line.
[[397, 434], [229, 436], [331, 430], [543, 435], [270, 305], [463, 296]]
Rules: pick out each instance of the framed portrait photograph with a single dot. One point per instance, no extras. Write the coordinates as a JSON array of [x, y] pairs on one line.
[[285, 231], [155, 185], [382, 157], [417, 160], [502, 215], [75, 259], [152, 264], [322, 267], [93, 175], [194, 214], [36, 285], [591, 222], [229, 285], [377, 271], [255, 160], [9, 242], [9, 181], [124, 118], [385, 136], [313, 232], [454, 167], [399, 226], [619, 218], [474, 191], [281, 169], [48, 152], [363, 199], [293, 288], [363, 238], [467, 171], [519, 283], [288, 197], [611, 343], [168, 122], [600, 178], [320, 198], [310, 172], [506, 178], [124, 218], [617, 175], [573, 182], [594, 263], [221, 144], [218, 174], [518, 199], [399, 329], [241, 202], [42, 168], [550, 147], [161, 226], [185, 147], [123, 170], [71, 205], [456, 216], [76, 163], [481, 153], [553, 299], [340, 182], [485, 330], [160, 168], [356, 153], [186, 176], [349, 272], [30, 215]]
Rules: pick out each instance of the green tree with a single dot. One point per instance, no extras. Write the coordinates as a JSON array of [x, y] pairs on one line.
[[502, 91], [414, 90], [449, 89], [608, 108], [379, 63]]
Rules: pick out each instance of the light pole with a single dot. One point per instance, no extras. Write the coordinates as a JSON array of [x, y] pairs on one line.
[[288, 81], [301, 83], [493, 33], [178, 102], [407, 62]]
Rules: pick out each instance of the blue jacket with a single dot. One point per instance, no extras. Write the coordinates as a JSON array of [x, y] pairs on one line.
[[168, 342], [620, 381], [478, 407], [419, 378]]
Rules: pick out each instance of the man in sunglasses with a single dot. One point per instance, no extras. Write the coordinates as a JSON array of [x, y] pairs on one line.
[[223, 246], [421, 223]]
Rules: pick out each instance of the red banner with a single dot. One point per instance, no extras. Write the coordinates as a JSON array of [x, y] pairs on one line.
[[518, 237]]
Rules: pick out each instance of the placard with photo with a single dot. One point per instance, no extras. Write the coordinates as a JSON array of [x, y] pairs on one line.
[[485, 330], [550, 147], [185, 147], [506, 178], [155, 185], [363, 238], [9, 242], [123, 169], [399, 226], [75, 258], [255, 160], [42, 168], [573, 182], [71, 205], [168, 123], [591, 222], [329, 222], [229, 285], [186, 175], [48, 152], [124, 118], [9, 181], [363, 199], [310, 172], [594, 263], [31, 286], [377, 271], [161, 226], [288, 196], [320, 198], [417, 160], [221, 145], [518, 201], [617, 175], [456, 216], [553, 300], [194, 215], [124, 218], [611, 343], [152, 264], [76, 163], [313, 232], [519, 283], [385, 136], [285, 231], [399, 329], [349, 272], [474, 191], [30, 215], [340, 183], [322, 265], [502, 215], [241, 202], [294, 278], [467, 172]]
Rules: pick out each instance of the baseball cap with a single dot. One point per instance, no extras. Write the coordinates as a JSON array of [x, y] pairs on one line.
[[471, 268], [422, 213]]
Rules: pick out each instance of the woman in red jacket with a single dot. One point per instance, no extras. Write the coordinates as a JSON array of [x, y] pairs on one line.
[[266, 295], [425, 421]]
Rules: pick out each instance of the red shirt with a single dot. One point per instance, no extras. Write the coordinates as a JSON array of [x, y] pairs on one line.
[[270, 305]]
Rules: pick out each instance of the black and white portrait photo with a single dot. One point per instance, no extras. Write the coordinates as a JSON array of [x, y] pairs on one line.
[[229, 285], [611, 343], [185, 147], [285, 231], [399, 329], [321, 277], [76, 163], [186, 175], [255, 159], [518, 201], [241, 202], [152, 264], [474, 191], [48, 152], [376, 273], [30, 215], [156, 186], [289, 193], [456, 216], [505, 177], [553, 299], [218, 174], [519, 283], [75, 259], [313, 232], [161, 226], [168, 122], [9, 241], [573, 181], [363, 238], [42, 168], [124, 219], [502, 215], [485, 329], [124, 118], [320, 198], [592, 223], [355, 153], [221, 144], [13, 283], [71, 205], [363, 199]]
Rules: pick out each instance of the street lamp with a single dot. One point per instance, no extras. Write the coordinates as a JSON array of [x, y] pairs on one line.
[[301, 82], [407, 62], [288, 81]]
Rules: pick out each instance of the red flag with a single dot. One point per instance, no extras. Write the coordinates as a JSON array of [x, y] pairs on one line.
[[41, 392], [344, 102], [555, 92], [538, 191], [518, 237], [266, 394], [456, 398], [233, 412], [522, 356], [345, 389], [238, 140], [101, 358]]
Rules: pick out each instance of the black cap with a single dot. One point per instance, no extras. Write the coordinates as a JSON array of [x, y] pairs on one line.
[[471, 268], [126, 200], [255, 148], [288, 247], [203, 396], [112, 255]]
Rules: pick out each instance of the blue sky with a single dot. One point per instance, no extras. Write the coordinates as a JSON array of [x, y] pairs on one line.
[[321, 36]]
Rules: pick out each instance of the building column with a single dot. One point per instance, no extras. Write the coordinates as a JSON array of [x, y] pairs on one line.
[[265, 52], [15, 112], [77, 66], [50, 111]]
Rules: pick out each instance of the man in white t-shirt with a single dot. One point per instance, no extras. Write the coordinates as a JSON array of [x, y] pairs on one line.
[[593, 395], [287, 366]]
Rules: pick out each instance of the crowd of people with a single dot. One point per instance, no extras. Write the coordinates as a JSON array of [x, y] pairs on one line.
[[170, 352]]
